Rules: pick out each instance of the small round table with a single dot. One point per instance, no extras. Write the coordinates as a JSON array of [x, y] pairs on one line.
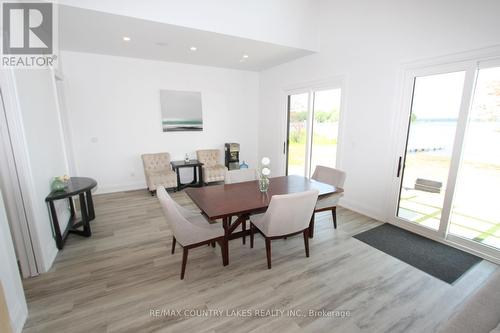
[[82, 187]]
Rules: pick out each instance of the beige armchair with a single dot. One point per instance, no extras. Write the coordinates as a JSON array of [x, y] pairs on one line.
[[158, 171], [334, 177], [213, 171], [287, 215], [190, 229]]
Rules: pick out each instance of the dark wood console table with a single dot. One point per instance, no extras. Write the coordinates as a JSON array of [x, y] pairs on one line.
[[197, 178], [76, 186]]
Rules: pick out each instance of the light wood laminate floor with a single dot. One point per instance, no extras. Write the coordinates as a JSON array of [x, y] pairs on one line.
[[112, 281]]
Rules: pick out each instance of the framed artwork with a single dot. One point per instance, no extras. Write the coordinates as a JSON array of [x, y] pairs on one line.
[[181, 111]]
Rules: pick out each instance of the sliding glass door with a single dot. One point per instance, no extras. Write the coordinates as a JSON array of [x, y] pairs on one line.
[[476, 208], [432, 126], [298, 112], [312, 131], [448, 168]]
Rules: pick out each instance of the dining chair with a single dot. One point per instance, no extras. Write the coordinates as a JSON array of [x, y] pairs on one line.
[[239, 176], [334, 177], [287, 215], [190, 229]]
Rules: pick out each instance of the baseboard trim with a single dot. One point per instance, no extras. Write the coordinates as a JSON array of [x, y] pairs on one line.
[[362, 209], [120, 188]]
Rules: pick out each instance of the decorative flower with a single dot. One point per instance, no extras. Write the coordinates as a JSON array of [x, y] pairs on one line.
[[64, 178], [266, 171], [265, 161]]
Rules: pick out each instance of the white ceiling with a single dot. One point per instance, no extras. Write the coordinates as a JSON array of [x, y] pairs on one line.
[[84, 30]]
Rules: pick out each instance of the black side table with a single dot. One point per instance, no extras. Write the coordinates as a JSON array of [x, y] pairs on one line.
[[197, 178], [76, 186]]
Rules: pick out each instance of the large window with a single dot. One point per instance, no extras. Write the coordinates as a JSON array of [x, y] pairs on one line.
[[313, 130]]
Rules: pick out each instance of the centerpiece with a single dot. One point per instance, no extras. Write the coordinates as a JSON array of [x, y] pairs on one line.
[[264, 173]]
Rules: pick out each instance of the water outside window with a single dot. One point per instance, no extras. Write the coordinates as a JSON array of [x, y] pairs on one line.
[[434, 114]]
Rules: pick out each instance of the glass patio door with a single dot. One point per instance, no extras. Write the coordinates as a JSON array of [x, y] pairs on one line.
[[475, 213], [448, 169], [312, 130], [429, 146]]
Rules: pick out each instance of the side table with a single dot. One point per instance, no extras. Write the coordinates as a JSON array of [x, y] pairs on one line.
[[197, 177]]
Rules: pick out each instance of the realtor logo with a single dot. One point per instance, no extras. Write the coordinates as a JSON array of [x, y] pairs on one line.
[[28, 34]]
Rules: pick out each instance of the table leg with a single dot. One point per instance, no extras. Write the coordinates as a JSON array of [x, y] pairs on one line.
[[195, 177], [85, 219], [225, 225], [90, 206], [72, 207], [57, 229]]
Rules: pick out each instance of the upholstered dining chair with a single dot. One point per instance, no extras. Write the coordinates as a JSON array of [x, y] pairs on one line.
[[213, 171], [239, 176], [158, 171], [334, 177], [190, 229], [287, 215]]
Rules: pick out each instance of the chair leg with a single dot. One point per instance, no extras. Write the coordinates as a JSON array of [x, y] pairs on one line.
[[268, 252], [251, 235], [306, 241], [173, 244], [213, 244], [334, 215], [311, 226], [244, 228], [184, 261]]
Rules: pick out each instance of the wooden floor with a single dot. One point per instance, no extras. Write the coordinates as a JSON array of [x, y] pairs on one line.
[[113, 281]]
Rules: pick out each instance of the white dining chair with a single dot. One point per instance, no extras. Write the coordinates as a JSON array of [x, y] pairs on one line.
[[334, 177], [287, 215], [241, 175], [189, 228]]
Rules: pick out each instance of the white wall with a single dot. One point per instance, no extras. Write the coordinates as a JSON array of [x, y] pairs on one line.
[[46, 154], [113, 106], [9, 275], [366, 42], [283, 22]]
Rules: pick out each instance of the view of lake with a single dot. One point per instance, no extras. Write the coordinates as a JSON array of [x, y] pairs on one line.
[[440, 134]]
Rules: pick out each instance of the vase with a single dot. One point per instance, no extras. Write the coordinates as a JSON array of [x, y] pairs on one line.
[[58, 185], [263, 184]]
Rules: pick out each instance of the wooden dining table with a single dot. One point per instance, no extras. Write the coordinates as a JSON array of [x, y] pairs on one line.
[[244, 199]]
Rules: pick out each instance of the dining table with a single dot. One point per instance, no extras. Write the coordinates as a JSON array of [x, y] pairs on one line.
[[243, 199]]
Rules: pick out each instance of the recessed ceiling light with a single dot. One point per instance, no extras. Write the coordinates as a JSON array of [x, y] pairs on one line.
[[126, 39], [193, 48], [245, 56]]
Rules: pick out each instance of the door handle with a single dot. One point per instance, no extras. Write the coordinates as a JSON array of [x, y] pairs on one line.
[[399, 166]]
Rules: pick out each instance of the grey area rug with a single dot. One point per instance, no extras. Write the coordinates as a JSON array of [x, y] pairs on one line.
[[441, 261]]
